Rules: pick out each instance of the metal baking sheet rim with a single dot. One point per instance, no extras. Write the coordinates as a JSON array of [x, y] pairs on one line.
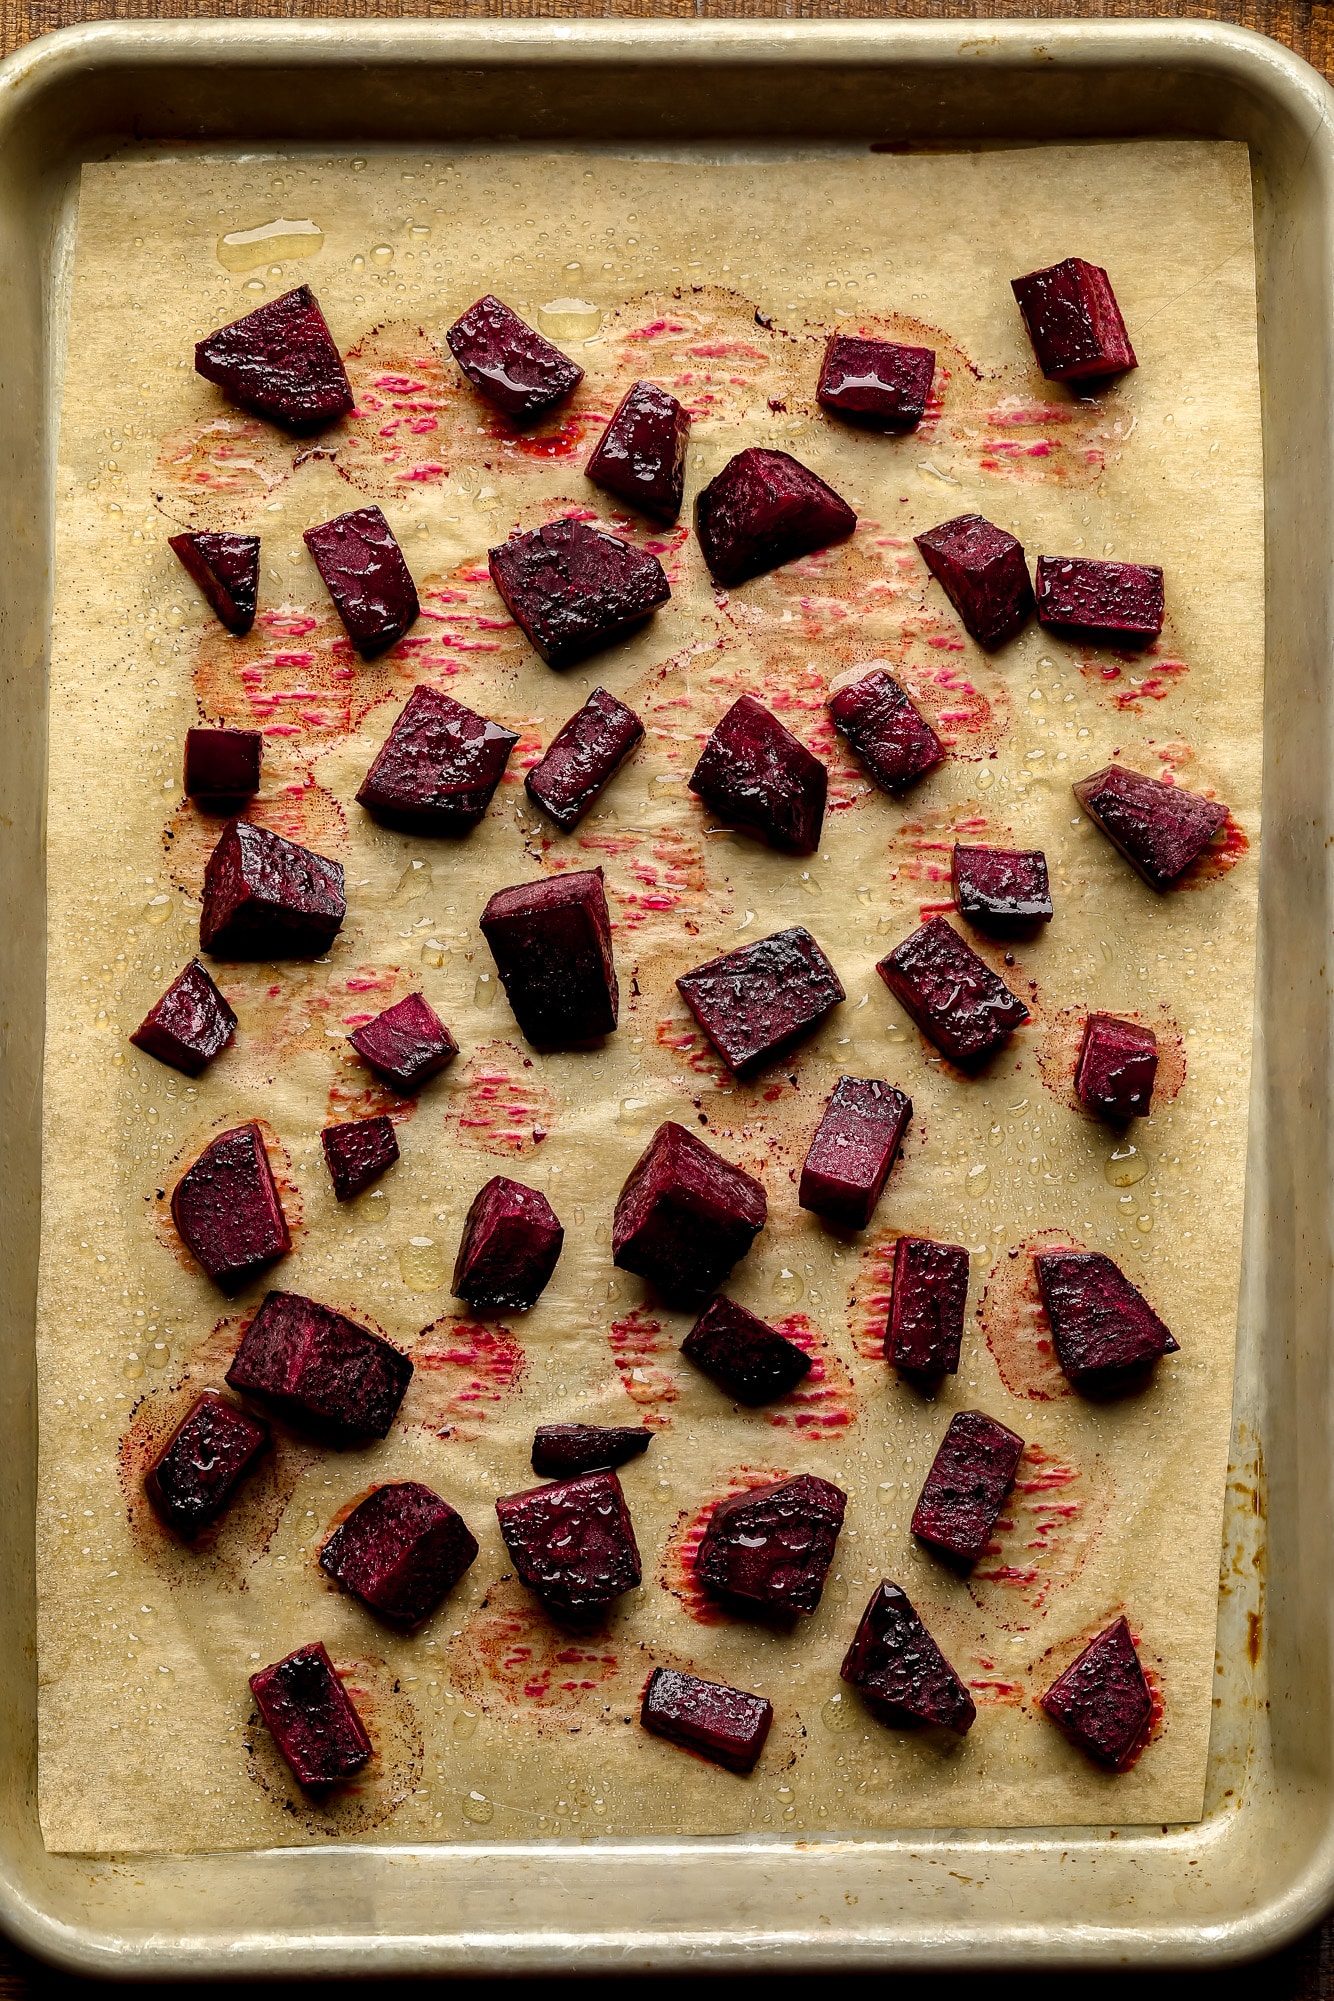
[[1260, 1867]]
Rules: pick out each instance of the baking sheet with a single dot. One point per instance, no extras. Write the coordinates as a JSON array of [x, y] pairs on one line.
[[493, 1723]]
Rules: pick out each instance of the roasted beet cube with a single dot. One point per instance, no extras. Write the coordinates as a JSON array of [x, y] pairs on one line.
[[1102, 1701], [1118, 1061], [1106, 1333], [222, 766], [963, 1494], [573, 589], [436, 771], [561, 1450], [877, 383], [267, 898], [199, 1469], [953, 996], [894, 742], [1160, 829], [685, 1216], [511, 1242], [572, 1543], [754, 772], [509, 361], [747, 1357], [190, 1025], [320, 1370], [280, 361], [583, 757], [311, 1718], [399, 1551], [642, 453], [405, 1045], [1074, 322], [755, 1003], [1113, 604], [766, 508], [226, 569], [982, 571], [227, 1210], [551, 942], [723, 1724], [1003, 891], [924, 1331], [847, 1163], [770, 1548], [358, 556], [899, 1671], [357, 1152]]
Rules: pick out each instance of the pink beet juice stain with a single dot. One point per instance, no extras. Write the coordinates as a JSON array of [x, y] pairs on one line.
[[825, 1402], [1015, 1324], [504, 1108], [1046, 1532], [464, 1372], [636, 1341]]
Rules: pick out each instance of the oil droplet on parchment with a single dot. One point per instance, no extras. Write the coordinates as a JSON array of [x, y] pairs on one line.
[[382, 254], [465, 1724], [371, 1208], [159, 908], [788, 1287], [247, 249], [433, 953], [485, 991], [422, 1263], [569, 319], [413, 884], [837, 1713], [478, 1808], [977, 1181], [1124, 1166]]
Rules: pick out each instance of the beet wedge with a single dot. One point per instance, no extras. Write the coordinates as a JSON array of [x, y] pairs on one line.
[[746, 1357], [1074, 322], [875, 383], [982, 571], [510, 363], [899, 1671], [1106, 1334], [1117, 1066], [1109, 604], [551, 941], [965, 1490], [1160, 829], [582, 758], [227, 1209], [856, 1143], [891, 738], [924, 1332], [512, 1239], [755, 773], [222, 767], [437, 770], [226, 569], [1002, 891], [406, 1045], [769, 1549], [572, 1543], [757, 1003], [357, 1152], [573, 590], [267, 898], [642, 453], [199, 1471], [190, 1025], [953, 995], [562, 1450], [311, 1718], [281, 362], [766, 508], [320, 1370], [685, 1216], [400, 1551], [725, 1725], [366, 575], [1103, 1702]]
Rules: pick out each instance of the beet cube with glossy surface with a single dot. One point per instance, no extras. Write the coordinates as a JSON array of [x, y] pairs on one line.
[[1074, 322], [642, 453], [226, 570], [856, 1142], [755, 773], [1105, 1332], [899, 1671], [982, 571], [222, 766], [769, 1549], [895, 743], [190, 1025], [743, 1354], [1160, 829], [877, 383], [572, 589], [1112, 604], [965, 1490], [406, 1045], [365, 574], [583, 757], [765, 508], [1118, 1062], [551, 941], [400, 1551], [227, 1209], [437, 770], [754, 1004], [685, 1216], [561, 1450], [726, 1725], [953, 995], [511, 1243], [267, 898], [924, 1331], [320, 1370], [357, 1152], [281, 362], [312, 1718], [1002, 891], [512, 364], [196, 1475], [1102, 1702], [572, 1543]]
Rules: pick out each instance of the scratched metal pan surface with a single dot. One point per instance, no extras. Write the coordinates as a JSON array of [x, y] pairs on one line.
[[1260, 1867]]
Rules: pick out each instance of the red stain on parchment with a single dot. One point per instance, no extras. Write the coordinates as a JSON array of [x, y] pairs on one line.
[[221, 466], [659, 873], [636, 1342], [462, 1373], [678, 1572], [300, 811], [872, 1291], [1063, 1037], [511, 1659], [825, 1401], [502, 1106], [407, 405], [1044, 1536], [1219, 858], [1131, 679], [687, 1044], [1015, 1324]]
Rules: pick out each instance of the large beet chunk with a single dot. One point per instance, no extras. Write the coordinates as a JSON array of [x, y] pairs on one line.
[[312, 1718], [222, 766], [572, 589], [953, 996], [894, 742], [1160, 829], [357, 1152], [226, 569], [365, 574], [561, 1450], [756, 1003], [1118, 1062], [766, 508], [399, 1551], [965, 1490], [190, 1025], [572, 1543], [511, 1242], [642, 452], [899, 1671], [770, 1549], [747, 1357], [1114, 604], [280, 361], [551, 942], [754, 772], [1003, 891], [512, 365], [405, 1045], [320, 1370], [847, 1163], [1106, 1333], [583, 757], [227, 1210], [877, 383], [685, 1216], [1102, 1701], [723, 1724], [924, 1331], [199, 1469], [436, 771], [982, 571], [267, 898], [1074, 322]]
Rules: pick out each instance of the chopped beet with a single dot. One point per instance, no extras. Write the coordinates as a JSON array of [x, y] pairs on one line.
[[750, 1359], [573, 589], [1106, 1333], [190, 1025], [855, 1145], [560, 1450], [222, 766], [723, 1724], [1160, 829], [1112, 604], [924, 1331], [770, 1548], [963, 1494], [1102, 1701], [320, 1370], [399, 1551], [754, 772], [953, 996], [357, 1152], [227, 1210], [280, 361], [436, 771], [572, 1543], [267, 898], [1118, 1061], [583, 757], [685, 1216], [755, 1003], [405, 1045], [358, 556], [551, 941], [510, 362], [199, 1469], [894, 742], [982, 571], [226, 569], [899, 1671], [876, 382], [1003, 891], [1074, 322], [511, 1242], [642, 453], [311, 1718], [766, 508]]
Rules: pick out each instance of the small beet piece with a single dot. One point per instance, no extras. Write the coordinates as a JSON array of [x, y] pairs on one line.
[[953, 996], [222, 766], [766, 508], [572, 1543], [965, 1490], [924, 1331], [357, 1152], [1118, 1062], [1160, 829], [770, 1548], [561, 1450], [755, 1003], [899, 1671], [400, 1551], [281, 362], [982, 571], [267, 898], [196, 1474], [894, 742], [572, 589], [685, 1216], [856, 1142], [1106, 1333], [876, 383], [364, 572], [227, 1210], [723, 1724], [748, 1358], [405, 1045], [1003, 891], [436, 771], [512, 365], [226, 569], [755, 773], [320, 1370], [551, 942], [1112, 604], [642, 452], [1102, 1701], [312, 1718], [511, 1242], [190, 1025], [1074, 322], [583, 757]]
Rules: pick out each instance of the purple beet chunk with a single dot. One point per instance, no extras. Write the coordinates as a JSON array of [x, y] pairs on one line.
[[755, 773], [551, 942], [573, 589], [924, 1331], [1003, 891], [280, 361], [642, 453], [1106, 1333], [770, 1548], [194, 1477], [357, 1152], [405, 1045], [982, 571], [685, 1216], [226, 569], [399, 1551], [509, 361], [511, 1242], [723, 1724], [311, 1718], [953, 996], [1074, 322], [877, 383], [894, 742], [582, 758], [747, 1357], [755, 1003], [320, 1370], [227, 1210], [436, 771], [763, 509], [964, 1492], [1102, 1701], [1118, 1061], [222, 766], [267, 898], [561, 1450], [572, 1543], [899, 1671], [190, 1025], [1112, 604], [358, 556], [855, 1145], [1160, 829]]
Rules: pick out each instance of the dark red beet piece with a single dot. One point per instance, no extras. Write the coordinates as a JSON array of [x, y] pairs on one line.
[[405, 1045], [953, 996], [358, 556], [280, 361], [227, 1210], [770, 1548], [573, 589], [755, 1003], [572, 1543], [876, 383], [685, 1216], [226, 569], [982, 571], [642, 452], [1118, 1062], [551, 941], [1106, 1333], [436, 771], [400, 1551], [1102, 1701], [1113, 604], [899, 1671], [755, 773], [1074, 322], [855, 1145], [723, 1724], [583, 757], [357, 1152], [511, 1242], [750, 1360], [222, 766], [1003, 891], [312, 1718], [963, 1494], [320, 1370], [893, 741], [1160, 829], [924, 1331], [267, 898], [510, 362], [190, 1025], [766, 508], [193, 1478], [561, 1450]]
